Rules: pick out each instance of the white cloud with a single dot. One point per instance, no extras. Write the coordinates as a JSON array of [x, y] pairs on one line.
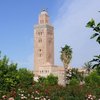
[[70, 29]]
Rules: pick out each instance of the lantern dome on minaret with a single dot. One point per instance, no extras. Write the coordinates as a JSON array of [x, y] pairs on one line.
[[44, 12], [43, 17]]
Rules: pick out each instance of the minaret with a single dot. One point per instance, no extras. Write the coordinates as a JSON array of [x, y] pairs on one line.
[[43, 42]]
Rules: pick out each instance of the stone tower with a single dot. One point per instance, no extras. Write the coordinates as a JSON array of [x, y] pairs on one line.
[[43, 42]]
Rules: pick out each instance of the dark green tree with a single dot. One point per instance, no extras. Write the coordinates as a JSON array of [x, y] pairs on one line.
[[93, 79], [25, 77], [8, 74], [11, 77], [49, 80], [96, 29], [52, 80]]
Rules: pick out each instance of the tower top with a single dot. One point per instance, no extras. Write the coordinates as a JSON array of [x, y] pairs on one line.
[[43, 17], [44, 11]]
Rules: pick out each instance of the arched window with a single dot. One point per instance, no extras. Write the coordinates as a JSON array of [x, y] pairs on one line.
[[40, 50], [40, 40], [40, 55]]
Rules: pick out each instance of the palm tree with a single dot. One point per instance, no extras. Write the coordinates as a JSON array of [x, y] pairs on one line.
[[96, 60], [66, 56]]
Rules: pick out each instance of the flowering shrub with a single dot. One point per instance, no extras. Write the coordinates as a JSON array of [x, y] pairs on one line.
[[90, 97], [39, 91], [19, 85]]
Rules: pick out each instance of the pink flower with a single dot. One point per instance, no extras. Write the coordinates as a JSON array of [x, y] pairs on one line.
[[11, 98], [4, 96]]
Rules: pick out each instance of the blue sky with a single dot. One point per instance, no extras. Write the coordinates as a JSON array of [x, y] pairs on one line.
[[69, 17]]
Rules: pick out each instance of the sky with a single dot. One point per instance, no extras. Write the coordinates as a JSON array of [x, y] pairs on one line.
[[69, 18]]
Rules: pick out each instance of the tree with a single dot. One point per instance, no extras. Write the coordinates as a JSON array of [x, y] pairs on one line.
[[41, 79], [49, 80], [77, 75], [66, 56], [96, 29], [25, 77], [52, 80], [11, 77], [8, 74], [93, 79], [74, 74], [74, 82]]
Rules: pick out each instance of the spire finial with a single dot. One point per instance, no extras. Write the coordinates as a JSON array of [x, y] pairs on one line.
[[44, 10]]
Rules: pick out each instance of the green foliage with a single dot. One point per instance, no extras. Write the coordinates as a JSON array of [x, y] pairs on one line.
[[74, 74], [93, 79], [66, 55], [41, 79], [11, 77], [25, 77], [52, 80], [96, 60], [8, 78], [74, 82], [91, 23], [49, 80], [98, 70], [96, 29]]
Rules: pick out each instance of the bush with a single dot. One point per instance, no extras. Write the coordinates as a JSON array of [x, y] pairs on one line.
[[93, 79], [49, 80]]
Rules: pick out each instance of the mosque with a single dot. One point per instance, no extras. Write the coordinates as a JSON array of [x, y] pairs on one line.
[[44, 49]]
